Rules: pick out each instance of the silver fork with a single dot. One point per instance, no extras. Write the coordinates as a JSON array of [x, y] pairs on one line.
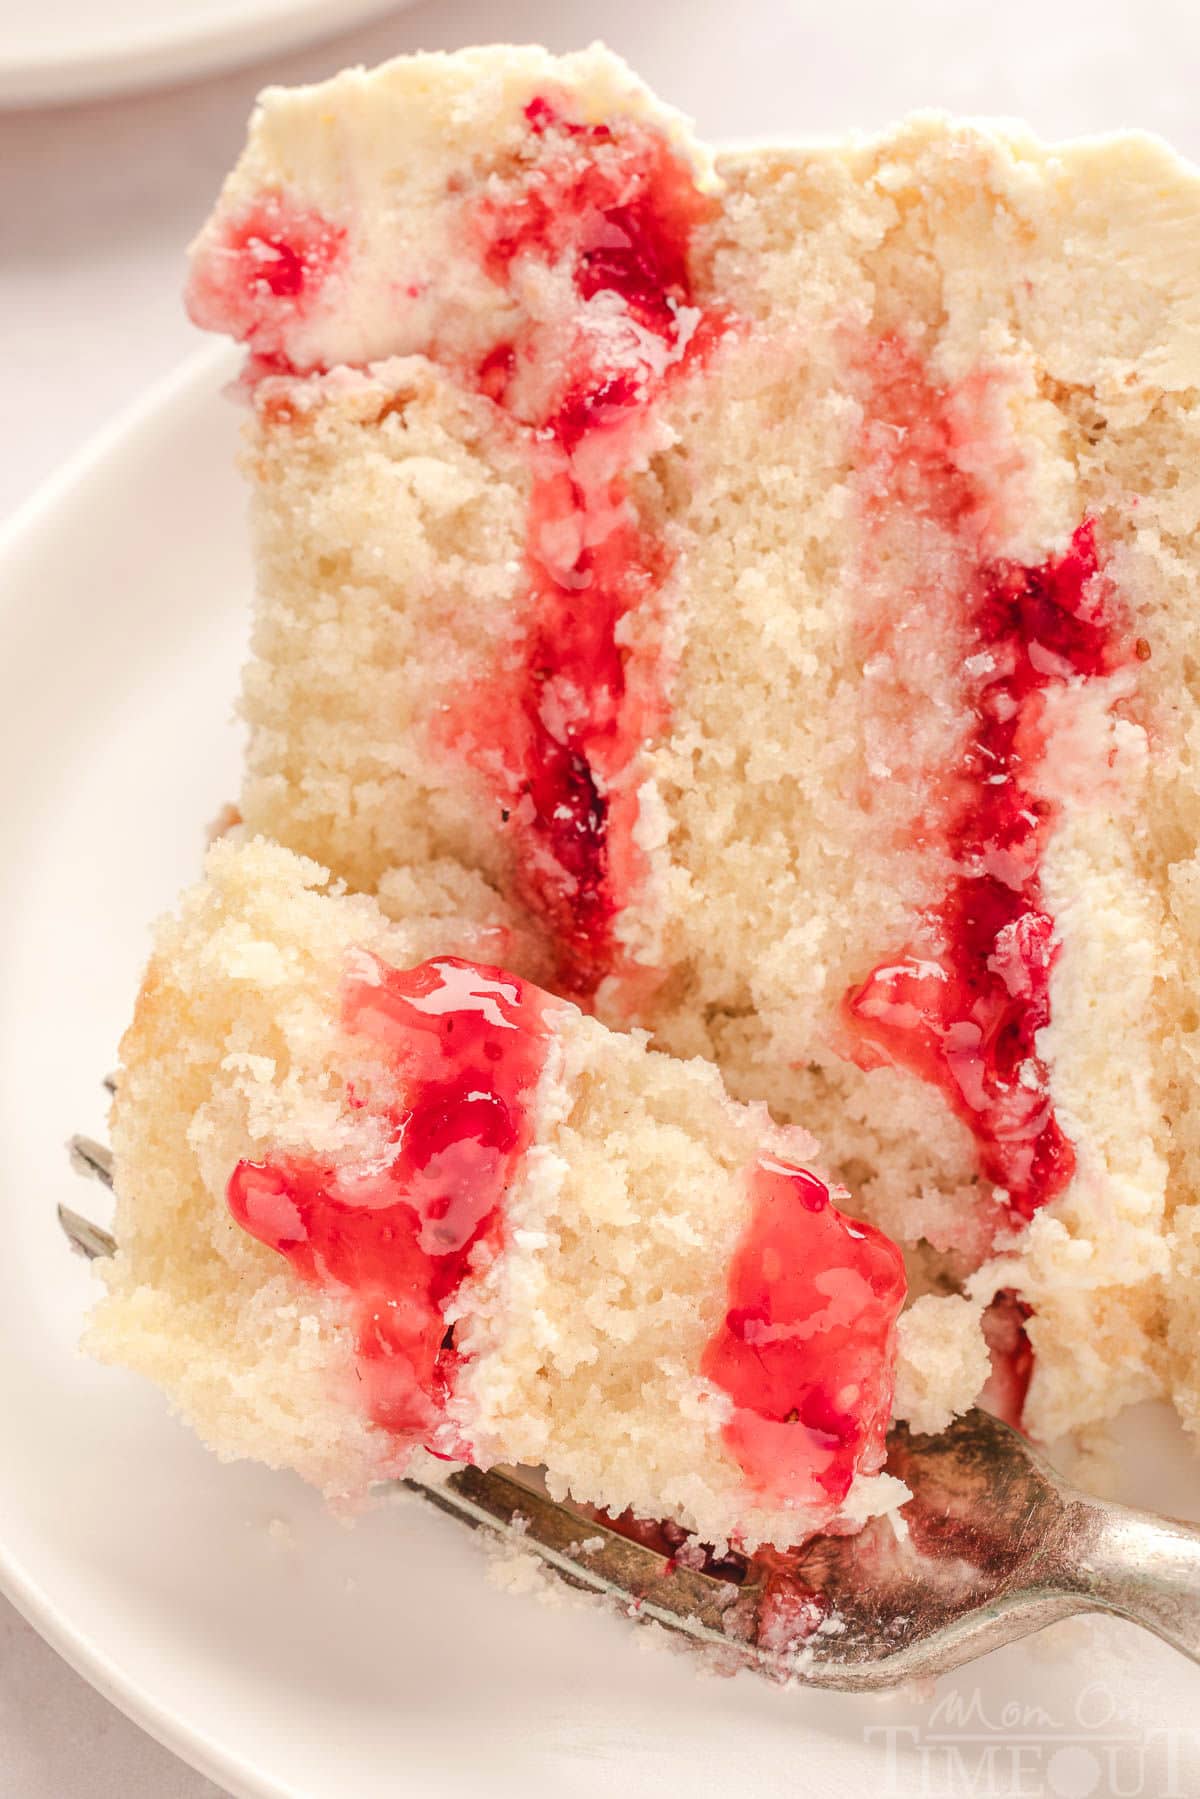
[[997, 1546]]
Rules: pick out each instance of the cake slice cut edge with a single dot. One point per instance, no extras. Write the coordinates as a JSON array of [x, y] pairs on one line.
[[1023, 321]]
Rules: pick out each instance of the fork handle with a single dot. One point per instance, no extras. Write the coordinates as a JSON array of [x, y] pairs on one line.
[[1141, 1567]]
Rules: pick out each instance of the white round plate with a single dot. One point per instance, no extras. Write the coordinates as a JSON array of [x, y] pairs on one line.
[[82, 49], [221, 1606]]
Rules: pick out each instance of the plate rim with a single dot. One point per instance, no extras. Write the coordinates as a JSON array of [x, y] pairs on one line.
[[103, 66], [193, 372], [205, 370]]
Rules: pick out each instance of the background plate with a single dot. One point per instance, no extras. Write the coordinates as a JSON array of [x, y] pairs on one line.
[[222, 1607], [81, 49]]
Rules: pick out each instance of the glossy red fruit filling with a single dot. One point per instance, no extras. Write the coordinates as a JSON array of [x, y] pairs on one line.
[[610, 215], [454, 1053], [807, 1347], [964, 1009], [264, 276]]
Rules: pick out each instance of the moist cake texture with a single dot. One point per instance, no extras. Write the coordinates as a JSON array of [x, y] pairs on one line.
[[726, 624], [386, 1206], [772, 573]]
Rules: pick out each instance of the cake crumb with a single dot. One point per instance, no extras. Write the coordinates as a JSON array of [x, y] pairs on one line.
[[942, 1361]]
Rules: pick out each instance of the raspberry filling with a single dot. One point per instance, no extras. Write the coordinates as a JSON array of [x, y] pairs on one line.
[[962, 1007], [806, 1350], [587, 241], [603, 224], [265, 276], [1011, 1355], [457, 1052]]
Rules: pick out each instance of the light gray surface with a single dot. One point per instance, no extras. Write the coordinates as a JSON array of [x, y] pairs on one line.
[[61, 1740], [98, 202]]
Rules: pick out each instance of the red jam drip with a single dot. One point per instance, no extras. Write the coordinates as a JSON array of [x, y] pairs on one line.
[[963, 1003], [964, 1011], [620, 219], [264, 277], [807, 1347], [460, 1051], [544, 114], [1011, 1354], [558, 732]]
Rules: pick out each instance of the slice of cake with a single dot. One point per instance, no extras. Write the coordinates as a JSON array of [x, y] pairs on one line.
[[774, 575], [383, 1205]]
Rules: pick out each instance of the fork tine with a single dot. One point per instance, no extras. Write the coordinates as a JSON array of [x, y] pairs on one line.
[[884, 1619], [85, 1237], [692, 1603], [716, 1612], [636, 1578], [612, 1566], [90, 1157]]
